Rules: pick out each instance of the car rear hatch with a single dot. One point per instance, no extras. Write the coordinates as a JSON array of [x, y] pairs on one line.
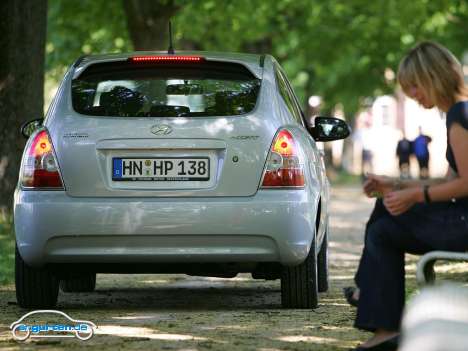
[[156, 127]]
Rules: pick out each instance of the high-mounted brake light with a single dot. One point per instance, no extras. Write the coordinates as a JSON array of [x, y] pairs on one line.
[[284, 167], [166, 58], [39, 167]]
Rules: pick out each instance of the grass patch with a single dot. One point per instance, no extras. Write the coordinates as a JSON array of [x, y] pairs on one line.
[[7, 251]]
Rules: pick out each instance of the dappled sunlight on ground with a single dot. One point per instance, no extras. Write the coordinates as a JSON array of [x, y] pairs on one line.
[[180, 312], [453, 267], [342, 277], [314, 339], [137, 332], [155, 281], [345, 257], [226, 327]]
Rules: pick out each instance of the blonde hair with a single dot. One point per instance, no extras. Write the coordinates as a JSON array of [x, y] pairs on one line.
[[435, 70]]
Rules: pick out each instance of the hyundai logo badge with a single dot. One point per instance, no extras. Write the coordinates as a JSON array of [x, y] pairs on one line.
[[161, 129]]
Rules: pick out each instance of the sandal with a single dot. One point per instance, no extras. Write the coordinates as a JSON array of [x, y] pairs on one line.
[[348, 293]]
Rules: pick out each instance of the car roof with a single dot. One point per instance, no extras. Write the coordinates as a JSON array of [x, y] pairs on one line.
[[253, 62]]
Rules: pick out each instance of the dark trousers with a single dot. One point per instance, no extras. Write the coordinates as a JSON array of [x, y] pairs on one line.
[[381, 272]]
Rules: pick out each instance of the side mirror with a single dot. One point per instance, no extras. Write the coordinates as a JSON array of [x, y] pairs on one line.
[[329, 129], [30, 127]]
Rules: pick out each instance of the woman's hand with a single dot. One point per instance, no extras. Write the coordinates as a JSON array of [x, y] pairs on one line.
[[377, 186], [398, 202]]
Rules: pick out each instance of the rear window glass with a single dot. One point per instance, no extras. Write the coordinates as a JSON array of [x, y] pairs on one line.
[[126, 89]]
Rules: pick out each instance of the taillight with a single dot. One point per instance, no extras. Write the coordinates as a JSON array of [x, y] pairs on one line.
[[284, 166], [39, 167]]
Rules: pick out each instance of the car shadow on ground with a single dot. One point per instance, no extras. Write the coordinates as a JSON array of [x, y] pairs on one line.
[[161, 298]]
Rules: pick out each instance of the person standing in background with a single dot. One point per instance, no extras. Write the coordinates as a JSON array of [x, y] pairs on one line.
[[365, 139], [421, 151], [403, 151]]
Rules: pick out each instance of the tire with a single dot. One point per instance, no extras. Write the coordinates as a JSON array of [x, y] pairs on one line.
[[82, 283], [322, 265], [35, 288], [299, 283]]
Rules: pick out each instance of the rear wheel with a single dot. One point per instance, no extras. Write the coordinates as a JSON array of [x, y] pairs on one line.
[[299, 283], [322, 265], [81, 283], [35, 288]]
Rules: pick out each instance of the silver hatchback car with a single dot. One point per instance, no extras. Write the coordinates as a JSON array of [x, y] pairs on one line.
[[199, 163]]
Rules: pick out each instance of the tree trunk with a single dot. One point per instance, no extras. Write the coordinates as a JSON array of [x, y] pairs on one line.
[[22, 42], [148, 22]]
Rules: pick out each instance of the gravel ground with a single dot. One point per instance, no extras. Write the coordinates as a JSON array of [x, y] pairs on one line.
[[178, 312]]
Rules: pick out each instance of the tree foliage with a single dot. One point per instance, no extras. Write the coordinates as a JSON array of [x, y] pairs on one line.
[[76, 28], [334, 48]]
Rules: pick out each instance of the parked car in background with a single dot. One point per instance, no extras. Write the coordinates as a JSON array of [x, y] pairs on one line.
[[198, 163]]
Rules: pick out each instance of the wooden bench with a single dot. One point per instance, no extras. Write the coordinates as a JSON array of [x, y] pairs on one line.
[[425, 273]]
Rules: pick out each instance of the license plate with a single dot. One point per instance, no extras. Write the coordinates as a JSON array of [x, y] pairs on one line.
[[161, 169]]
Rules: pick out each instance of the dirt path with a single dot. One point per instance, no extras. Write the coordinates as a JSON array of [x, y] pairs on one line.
[[177, 312]]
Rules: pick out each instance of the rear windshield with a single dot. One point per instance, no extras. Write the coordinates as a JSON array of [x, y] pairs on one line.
[[126, 89]]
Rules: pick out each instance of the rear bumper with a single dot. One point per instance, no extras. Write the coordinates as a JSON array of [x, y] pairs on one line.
[[272, 226]]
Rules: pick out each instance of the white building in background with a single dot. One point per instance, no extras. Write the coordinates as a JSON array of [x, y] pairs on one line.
[[385, 122]]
